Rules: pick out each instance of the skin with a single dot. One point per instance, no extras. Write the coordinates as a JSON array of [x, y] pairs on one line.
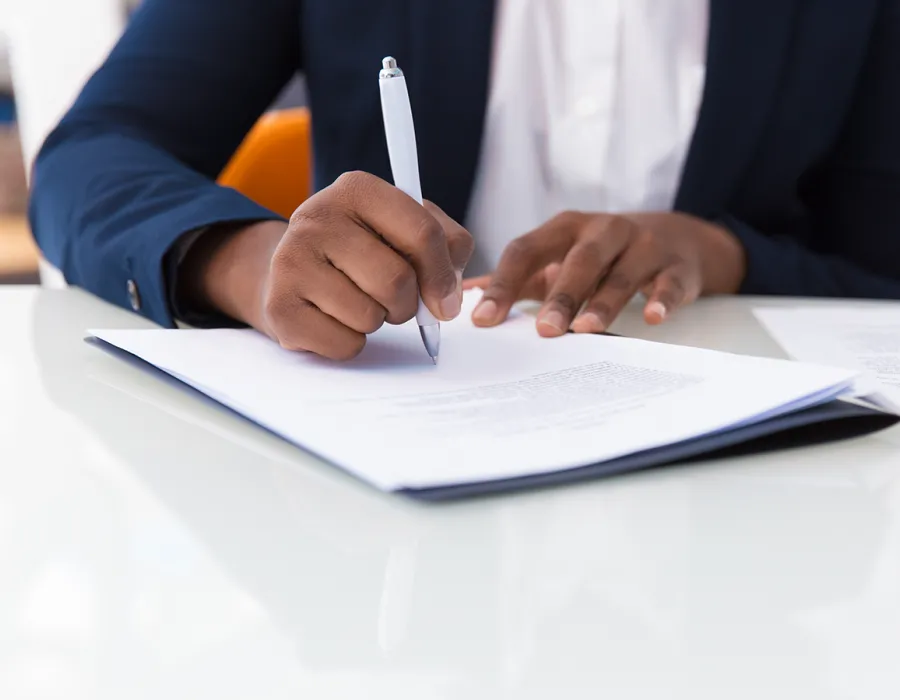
[[353, 257], [585, 267], [356, 255]]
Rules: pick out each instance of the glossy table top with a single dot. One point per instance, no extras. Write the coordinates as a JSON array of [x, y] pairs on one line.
[[154, 546]]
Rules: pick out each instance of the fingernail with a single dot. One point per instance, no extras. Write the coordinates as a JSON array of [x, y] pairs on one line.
[[588, 322], [555, 320], [657, 309], [485, 312], [451, 305]]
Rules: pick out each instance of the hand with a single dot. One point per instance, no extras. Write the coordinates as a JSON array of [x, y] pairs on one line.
[[586, 267], [353, 257]]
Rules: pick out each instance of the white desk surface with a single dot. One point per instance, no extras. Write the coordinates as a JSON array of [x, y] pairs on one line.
[[155, 546]]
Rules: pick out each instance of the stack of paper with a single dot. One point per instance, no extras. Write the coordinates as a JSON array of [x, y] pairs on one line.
[[863, 339], [501, 404]]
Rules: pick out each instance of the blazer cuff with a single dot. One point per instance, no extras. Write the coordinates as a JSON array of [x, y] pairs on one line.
[[153, 261], [763, 258]]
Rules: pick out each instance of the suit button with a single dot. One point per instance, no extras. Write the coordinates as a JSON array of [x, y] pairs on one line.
[[134, 296]]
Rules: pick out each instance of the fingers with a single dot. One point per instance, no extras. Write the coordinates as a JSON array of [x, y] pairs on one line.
[[540, 284], [459, 240], [299, 325], [536, 288], [637, 265], [521, 261], [358, 254], [335, 295], [459, 244], [412, 231], [605, 260], [374, 268], [301, 279], [581, 271], [677, 285]]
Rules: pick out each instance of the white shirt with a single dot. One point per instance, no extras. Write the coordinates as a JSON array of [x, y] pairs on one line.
[[592, 107]]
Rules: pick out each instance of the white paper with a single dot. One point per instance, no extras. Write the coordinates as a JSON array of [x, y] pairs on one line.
[[500, 403], [865, 340]]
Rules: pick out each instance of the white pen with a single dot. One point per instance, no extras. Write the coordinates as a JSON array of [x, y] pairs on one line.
[[401, 143]]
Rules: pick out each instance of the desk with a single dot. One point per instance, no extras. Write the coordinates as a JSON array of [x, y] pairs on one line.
[[153, 545]]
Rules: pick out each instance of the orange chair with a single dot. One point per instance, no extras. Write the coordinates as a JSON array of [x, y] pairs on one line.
[[273, 165]]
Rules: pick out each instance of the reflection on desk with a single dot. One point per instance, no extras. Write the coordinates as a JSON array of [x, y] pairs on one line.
[[170, 546]]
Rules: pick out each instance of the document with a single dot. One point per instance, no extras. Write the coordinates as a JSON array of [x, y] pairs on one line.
[[866, 340], [501, 403]]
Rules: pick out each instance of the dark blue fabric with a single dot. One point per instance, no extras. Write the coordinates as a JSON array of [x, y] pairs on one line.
[[7, 110], [797, 148]]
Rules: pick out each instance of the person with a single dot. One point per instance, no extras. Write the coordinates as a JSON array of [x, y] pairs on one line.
[[595, 149]]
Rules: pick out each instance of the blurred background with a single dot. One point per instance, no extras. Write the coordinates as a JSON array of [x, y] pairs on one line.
[[48, 49]]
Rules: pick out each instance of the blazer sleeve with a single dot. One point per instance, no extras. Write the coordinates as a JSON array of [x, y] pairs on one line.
[[853, 200], [131, 168]]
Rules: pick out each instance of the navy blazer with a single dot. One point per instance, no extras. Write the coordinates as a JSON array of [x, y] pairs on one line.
[[797, 148]]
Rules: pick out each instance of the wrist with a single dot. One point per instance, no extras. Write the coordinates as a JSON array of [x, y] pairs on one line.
[[227, 269], [726, 261]]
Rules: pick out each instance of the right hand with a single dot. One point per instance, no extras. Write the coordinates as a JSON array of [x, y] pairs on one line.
[[353, 257]]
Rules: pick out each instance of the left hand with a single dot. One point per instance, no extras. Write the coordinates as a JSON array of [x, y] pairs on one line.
[[586, 267]]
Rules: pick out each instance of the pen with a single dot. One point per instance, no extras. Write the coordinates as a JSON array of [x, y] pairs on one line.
[[401, 143]]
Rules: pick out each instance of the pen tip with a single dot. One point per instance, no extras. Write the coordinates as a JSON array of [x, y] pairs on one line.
[[434, 360]]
